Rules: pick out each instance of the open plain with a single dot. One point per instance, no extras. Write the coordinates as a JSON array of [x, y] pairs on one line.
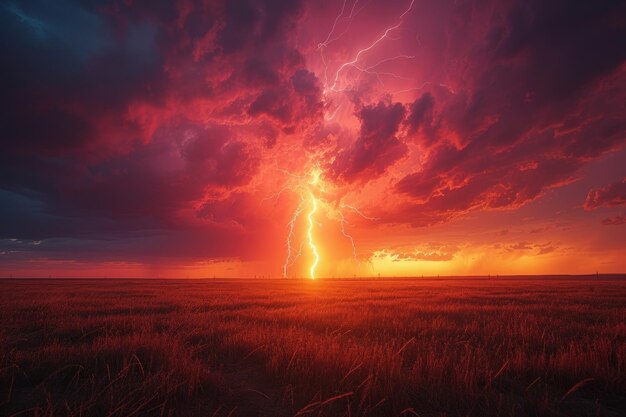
[[428, 347]]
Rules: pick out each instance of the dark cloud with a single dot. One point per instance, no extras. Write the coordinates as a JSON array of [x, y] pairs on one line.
[[611, 195], [419, 186], [377, 146], [68, 69], [553, 37], [420, 118], [143, 122], [169, 174], [274, 103], [432, 252], [291, 105], [420, 256], [454, 191], [520, 246], [256, 22], [529, 113], [116, 120], [306, 85], [546, 250], [540, 248], [614, 221], [239, 209], [429, 256]]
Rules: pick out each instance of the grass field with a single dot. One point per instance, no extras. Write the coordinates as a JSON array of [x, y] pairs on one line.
[[449, 347]]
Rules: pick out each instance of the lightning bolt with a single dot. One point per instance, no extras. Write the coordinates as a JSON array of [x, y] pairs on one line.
[[332, 116], [311, 189], [313, 182], [329, 39], [427, 83], [355, 62], [291, 235], [316, 255], [359, 54], [370, 70], [357, 211], [347, 235], [353, 13], [315, 173]]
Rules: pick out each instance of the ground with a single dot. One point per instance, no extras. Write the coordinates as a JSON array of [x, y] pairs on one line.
[[427, 347]]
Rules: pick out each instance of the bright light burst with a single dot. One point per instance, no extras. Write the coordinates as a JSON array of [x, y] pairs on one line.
[[314, 194]]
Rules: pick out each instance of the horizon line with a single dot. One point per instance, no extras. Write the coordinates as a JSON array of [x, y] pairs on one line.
[[613, 275]]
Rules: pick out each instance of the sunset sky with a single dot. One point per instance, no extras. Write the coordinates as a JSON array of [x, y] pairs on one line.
[[149, 138]]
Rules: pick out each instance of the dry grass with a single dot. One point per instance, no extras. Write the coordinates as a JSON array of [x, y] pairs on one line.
[[324, 348]]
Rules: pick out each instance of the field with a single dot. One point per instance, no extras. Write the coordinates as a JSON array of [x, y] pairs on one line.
[[438, 347]]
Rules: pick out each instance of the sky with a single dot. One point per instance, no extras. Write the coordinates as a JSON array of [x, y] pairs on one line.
[[292, 138]]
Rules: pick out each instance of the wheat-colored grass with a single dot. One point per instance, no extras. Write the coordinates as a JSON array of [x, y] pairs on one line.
[[474, 347]]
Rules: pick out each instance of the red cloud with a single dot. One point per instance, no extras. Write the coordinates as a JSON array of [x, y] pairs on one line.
[[165, 123], [614, 221], [611, 195], [419, 256]]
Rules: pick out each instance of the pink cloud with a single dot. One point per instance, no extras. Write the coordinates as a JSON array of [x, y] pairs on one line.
[[614, 221], [611, 195]]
